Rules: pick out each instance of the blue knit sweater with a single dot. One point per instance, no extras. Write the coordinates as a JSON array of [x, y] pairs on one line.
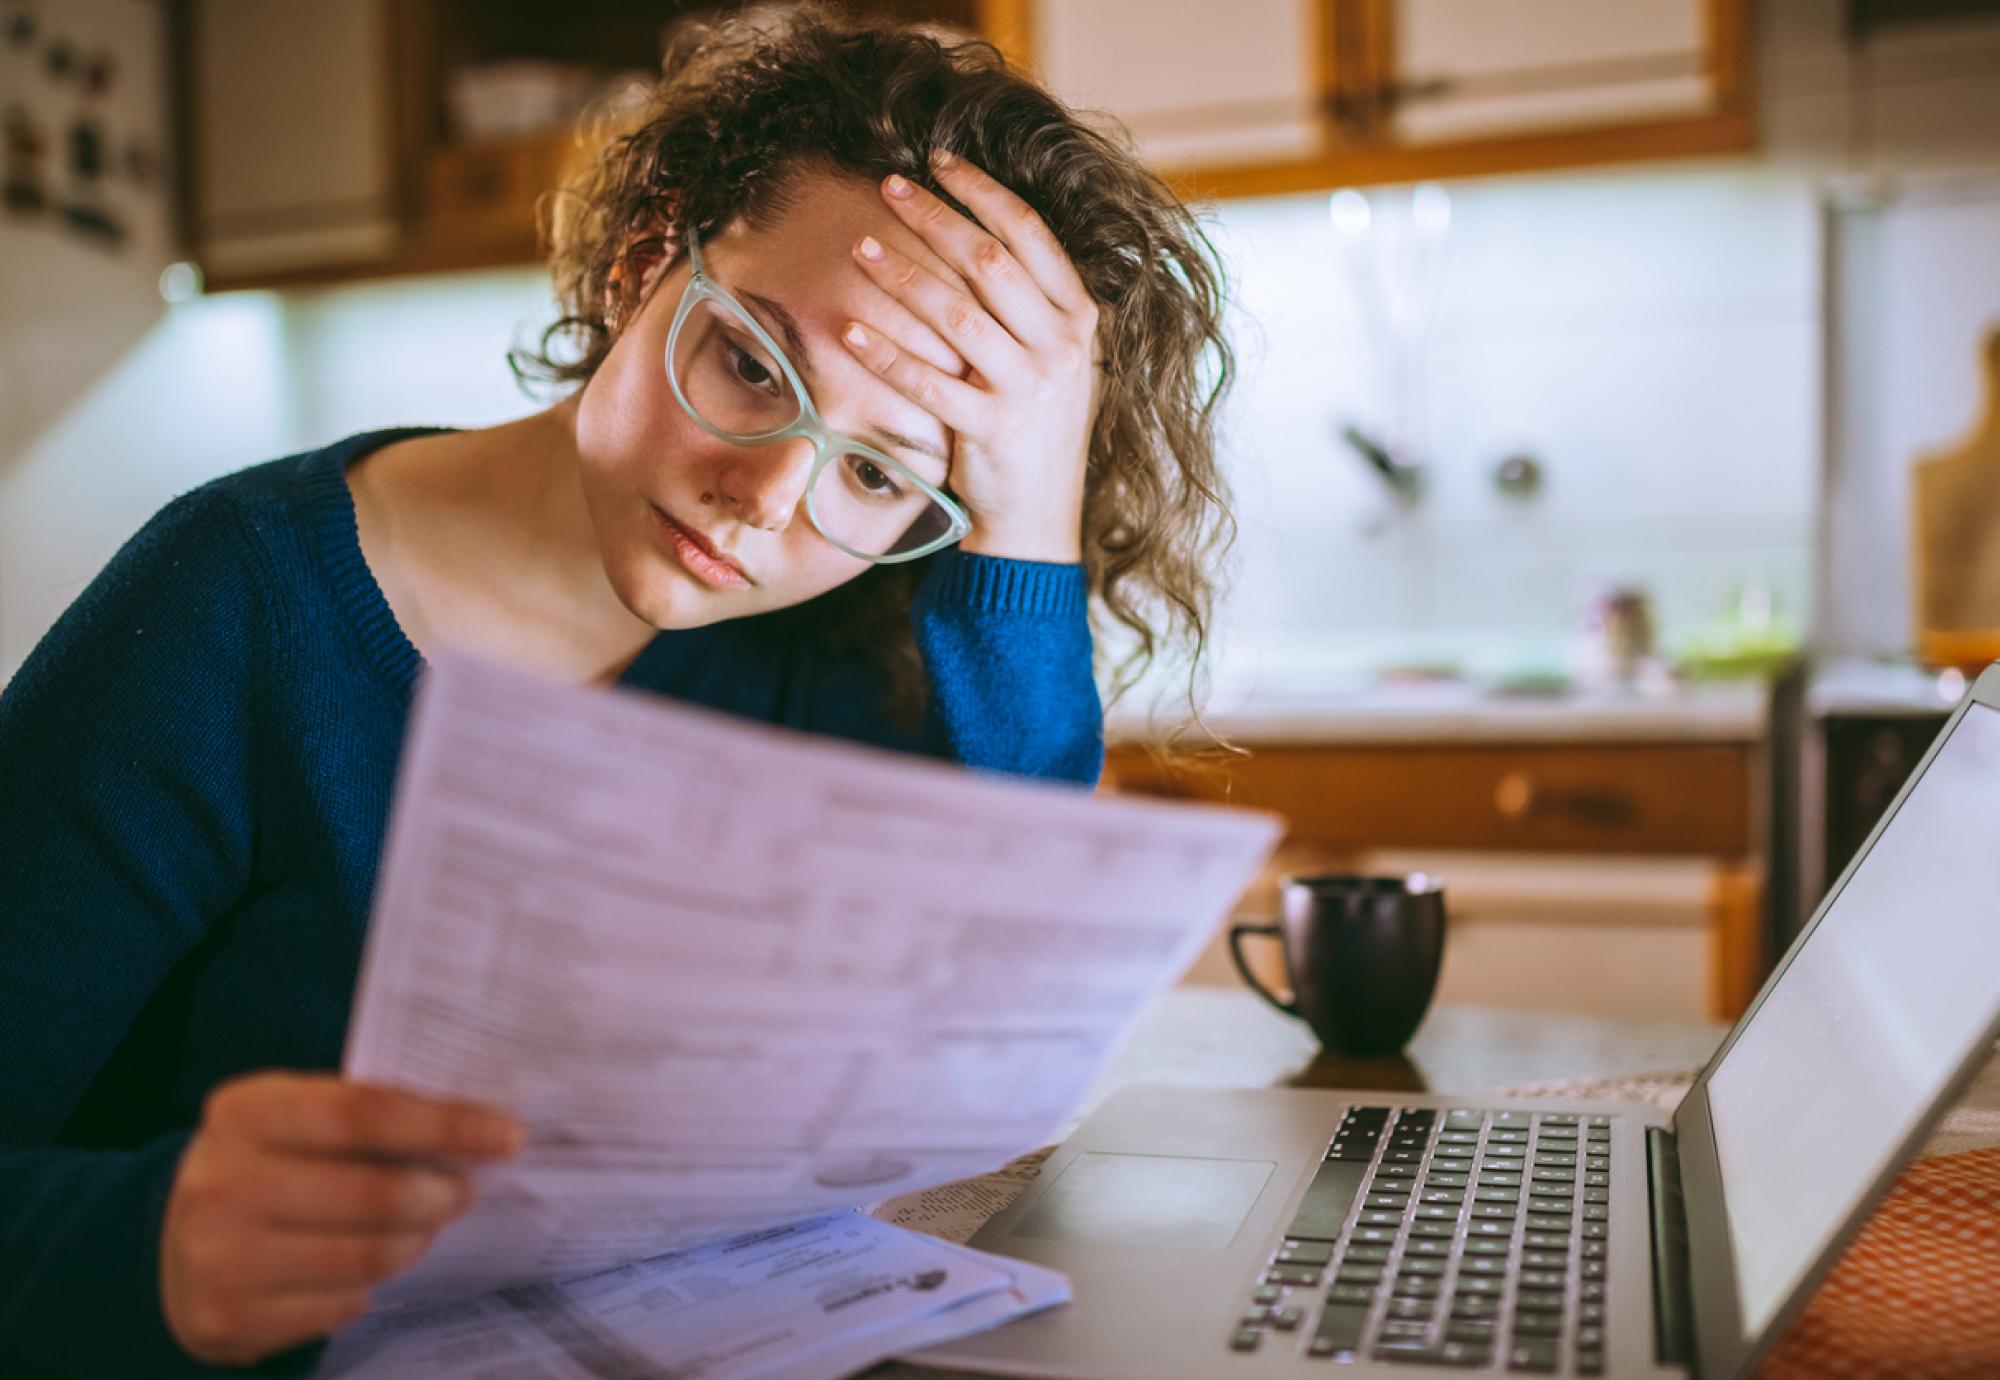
[[195, 770]]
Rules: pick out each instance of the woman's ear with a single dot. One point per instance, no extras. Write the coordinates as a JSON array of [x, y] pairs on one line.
[[634, 275]]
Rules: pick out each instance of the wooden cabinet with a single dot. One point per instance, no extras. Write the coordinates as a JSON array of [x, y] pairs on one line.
[[318, 136], [289, 119], [1591, 876], [1272, 96], [1635, 798], [319, 146]]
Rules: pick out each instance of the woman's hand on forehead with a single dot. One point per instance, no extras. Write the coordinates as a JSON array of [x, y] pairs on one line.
[[1023, 321]]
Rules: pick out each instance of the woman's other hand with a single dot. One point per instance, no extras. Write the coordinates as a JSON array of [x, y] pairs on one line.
[[1021, 418], [298, 1193]]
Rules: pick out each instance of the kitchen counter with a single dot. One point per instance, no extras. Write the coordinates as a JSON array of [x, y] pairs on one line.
[[1465, 712]]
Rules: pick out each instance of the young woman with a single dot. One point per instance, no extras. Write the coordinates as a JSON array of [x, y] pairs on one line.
[[886, 372]]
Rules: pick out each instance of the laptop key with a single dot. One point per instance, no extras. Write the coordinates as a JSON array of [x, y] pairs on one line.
[[1482, 1246], [1483, 1264], [1267, 1293], [1323, 1212], [1365, 1255], [1339, 1330], [1286, 1319], [1538, 1301], [1291, 1274], [1538, 1325], [1359, 1274], [1532, 1354], [1350, 1293], [1425, 1247], [1439, 1230], [1425, 1269], [1245, 1339]]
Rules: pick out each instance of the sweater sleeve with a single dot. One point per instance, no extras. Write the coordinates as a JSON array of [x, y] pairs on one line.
[[125, 809], [1007, 646]]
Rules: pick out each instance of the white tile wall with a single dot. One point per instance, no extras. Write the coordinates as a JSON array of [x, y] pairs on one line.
[[1653, 338]]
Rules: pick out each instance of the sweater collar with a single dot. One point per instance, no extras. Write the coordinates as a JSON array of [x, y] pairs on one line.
[[387, 648]]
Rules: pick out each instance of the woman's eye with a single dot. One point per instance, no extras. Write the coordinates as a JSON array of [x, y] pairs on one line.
[[872, 477], [747, 368]]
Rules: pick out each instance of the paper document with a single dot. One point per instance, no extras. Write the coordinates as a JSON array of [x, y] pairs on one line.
[[810, 1300], [732, 977]]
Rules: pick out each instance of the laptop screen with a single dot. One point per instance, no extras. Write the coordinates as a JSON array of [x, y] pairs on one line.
[[1875, 1014]]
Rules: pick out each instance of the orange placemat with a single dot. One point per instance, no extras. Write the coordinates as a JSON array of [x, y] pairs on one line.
[[1917, 1293]]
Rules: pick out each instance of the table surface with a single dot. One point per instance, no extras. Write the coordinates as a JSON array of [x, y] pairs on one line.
[[1226, 1037]]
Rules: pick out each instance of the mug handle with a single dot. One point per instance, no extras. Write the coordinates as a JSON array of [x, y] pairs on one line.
[[1236, 933]]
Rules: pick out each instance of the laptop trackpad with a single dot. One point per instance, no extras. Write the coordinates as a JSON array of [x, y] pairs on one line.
[[1148, 1200]]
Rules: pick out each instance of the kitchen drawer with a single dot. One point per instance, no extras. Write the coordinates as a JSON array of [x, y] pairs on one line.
[[485, 194], [1643, 798]]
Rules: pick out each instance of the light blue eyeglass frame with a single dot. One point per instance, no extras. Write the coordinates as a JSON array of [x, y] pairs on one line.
[[826, 441]]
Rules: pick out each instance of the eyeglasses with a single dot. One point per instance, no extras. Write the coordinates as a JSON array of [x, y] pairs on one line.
[[736, 383]]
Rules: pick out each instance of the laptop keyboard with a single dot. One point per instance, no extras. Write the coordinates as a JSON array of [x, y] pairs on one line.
[[1446, 1238]]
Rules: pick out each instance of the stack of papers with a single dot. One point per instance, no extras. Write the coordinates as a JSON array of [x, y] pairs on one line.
[[736, 982]]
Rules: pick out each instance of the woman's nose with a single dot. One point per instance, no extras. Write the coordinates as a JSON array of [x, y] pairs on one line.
[[764, 485]]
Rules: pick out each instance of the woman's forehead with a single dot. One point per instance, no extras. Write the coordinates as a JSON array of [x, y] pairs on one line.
[[809, 244]]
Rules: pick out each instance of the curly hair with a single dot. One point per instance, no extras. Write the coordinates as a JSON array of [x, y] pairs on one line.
[[748, 104]]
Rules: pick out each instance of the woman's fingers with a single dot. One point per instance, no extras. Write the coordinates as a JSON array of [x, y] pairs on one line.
[[959, 405], [351, 1195], [953, 313], [324, 1114], [1001, 284], [1014, 223], [316, 1261]]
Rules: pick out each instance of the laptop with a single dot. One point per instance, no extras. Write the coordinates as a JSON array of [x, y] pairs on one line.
[[1215, 1234]]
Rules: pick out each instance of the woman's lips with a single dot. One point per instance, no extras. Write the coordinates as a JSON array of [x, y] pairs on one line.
[[696, 557]]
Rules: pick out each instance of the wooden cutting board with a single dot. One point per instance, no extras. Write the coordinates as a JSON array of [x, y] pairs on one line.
[[1955, 548]]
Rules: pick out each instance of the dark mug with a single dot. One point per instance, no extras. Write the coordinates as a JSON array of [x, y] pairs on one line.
[[1361, 954]]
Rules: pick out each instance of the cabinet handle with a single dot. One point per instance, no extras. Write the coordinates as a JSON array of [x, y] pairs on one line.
[[1514, 795]]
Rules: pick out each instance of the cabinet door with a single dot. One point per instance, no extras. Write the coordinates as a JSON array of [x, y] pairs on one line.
[[1197, 83], [290, 122], [1468, 69]]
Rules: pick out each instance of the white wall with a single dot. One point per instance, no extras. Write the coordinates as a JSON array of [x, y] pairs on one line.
[[226, 381], [1652, 338]]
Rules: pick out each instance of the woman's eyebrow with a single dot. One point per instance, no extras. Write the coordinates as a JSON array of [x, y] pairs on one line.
[[802, 355]]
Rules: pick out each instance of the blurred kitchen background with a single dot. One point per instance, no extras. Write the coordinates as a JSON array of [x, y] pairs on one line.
[[1588, 355]]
